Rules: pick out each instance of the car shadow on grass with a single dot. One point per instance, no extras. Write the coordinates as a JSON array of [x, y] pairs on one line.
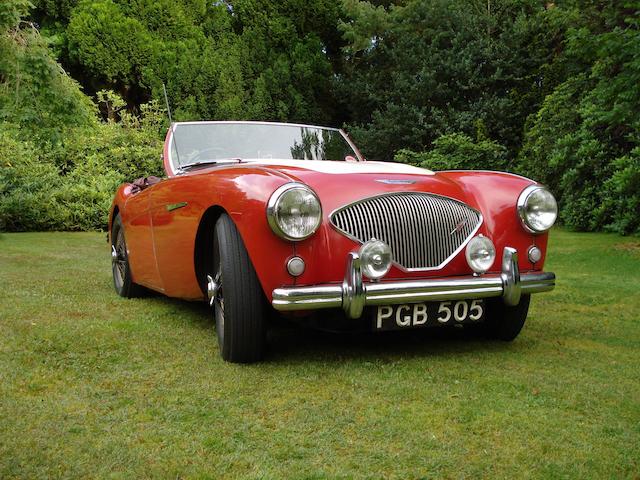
[[296, 343], [292, 342], [197, 313]]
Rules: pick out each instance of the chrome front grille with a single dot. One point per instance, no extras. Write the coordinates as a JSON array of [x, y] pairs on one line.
[[423, 230]]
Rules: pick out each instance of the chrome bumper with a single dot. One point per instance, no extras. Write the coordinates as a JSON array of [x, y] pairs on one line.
[[354, 294]]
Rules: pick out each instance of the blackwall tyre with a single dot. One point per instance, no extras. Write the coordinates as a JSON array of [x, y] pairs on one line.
[[505, 322], [236, 296]]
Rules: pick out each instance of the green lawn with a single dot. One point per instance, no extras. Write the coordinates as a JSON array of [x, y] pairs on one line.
[[92, 385]]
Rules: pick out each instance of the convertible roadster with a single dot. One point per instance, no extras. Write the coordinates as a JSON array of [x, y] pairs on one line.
[[258, 218]]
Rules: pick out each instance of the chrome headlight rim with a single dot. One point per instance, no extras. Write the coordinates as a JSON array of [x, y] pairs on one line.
[[272, 210], [522, 209]]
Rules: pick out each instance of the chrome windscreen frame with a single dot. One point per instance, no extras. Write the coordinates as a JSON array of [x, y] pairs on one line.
[[177, 168]]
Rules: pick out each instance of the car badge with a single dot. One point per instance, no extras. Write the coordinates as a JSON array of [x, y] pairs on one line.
[[393, 181], [459, 226]]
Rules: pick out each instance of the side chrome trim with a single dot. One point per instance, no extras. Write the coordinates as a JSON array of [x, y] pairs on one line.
[[354, 294], [174, 206], [393, 181]]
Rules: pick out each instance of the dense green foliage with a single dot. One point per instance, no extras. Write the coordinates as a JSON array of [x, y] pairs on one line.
[[549, 90], [35, 93], [251, 59], [585, 140], [458, 151], [59, 166], [69, 185], [439, 67]]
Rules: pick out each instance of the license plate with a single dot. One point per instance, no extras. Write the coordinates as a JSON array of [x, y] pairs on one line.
[[416, 315]]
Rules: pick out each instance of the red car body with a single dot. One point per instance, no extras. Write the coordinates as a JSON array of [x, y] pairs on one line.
[[166, 224]]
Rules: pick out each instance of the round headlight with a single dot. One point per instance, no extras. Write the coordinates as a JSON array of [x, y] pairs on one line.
[[294, 211], [480, 254], [537, 209], [375, 259]]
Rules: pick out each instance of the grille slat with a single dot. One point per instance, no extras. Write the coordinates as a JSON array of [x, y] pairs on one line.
[[423, 230]]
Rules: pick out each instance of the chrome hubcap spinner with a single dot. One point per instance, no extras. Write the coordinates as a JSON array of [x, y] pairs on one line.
[[213, 287]]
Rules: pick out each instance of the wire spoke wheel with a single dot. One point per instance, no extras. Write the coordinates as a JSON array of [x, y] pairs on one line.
[[216, 300], [119, 259], [120, 263]]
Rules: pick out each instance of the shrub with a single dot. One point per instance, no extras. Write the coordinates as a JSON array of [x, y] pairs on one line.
[[59, 165], [69, 185], [622, 194], [130, 146], [26, 183], [458, 152]]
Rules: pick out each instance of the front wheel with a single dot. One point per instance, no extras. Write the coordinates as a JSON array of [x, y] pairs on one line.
[[236, 296], [504, 322]]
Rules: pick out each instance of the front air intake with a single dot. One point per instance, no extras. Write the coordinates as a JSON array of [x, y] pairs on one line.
[[425, 231]]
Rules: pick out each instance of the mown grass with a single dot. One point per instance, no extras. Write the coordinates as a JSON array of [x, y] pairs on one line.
[[92, 385]]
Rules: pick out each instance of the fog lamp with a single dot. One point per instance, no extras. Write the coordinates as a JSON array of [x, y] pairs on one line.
[[375, 259], [480, 254]]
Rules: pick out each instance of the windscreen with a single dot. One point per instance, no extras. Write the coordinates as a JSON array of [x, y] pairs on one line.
[[204, 142]]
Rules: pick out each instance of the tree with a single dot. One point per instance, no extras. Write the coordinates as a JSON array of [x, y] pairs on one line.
[[424, 69], [35, 93], [584, 142]]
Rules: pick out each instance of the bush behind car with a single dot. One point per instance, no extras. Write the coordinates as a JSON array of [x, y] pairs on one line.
[[68, 185]]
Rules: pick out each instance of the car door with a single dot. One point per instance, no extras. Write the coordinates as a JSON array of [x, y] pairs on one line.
[[139, 238], [175, 215]]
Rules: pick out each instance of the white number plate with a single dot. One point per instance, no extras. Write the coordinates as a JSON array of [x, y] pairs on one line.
[[415, 315]]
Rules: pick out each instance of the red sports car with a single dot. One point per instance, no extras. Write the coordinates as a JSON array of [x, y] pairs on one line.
[[258, 217]]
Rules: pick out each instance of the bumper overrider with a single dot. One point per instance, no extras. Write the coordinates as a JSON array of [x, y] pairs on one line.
[[354, 294]]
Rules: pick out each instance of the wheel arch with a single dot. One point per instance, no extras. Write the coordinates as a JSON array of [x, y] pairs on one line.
[[117, 206], [114, 214], [203, 251], [115, 211]]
